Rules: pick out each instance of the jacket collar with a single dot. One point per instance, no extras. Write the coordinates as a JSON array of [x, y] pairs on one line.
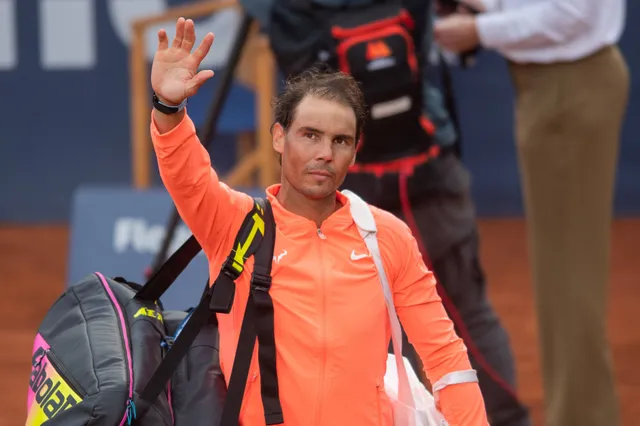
[[293, 225]]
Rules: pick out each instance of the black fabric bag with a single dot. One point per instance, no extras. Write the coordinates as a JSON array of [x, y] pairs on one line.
[[107, 354]]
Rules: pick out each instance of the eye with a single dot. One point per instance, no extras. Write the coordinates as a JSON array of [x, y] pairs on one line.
[[310, 135], [342, 141]]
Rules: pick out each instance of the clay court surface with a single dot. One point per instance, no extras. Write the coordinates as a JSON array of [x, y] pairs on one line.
[[33, 269]]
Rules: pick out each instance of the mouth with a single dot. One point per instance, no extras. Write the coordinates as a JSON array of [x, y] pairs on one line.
[[320, 173]]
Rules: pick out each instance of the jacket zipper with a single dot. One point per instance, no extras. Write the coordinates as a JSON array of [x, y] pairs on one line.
[[322, 336], [64, 373]]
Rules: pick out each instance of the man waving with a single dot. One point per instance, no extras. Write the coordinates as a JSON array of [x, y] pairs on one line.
[[330, 319]]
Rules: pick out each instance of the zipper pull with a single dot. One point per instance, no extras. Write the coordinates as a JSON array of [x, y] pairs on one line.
[[131, 411], [167, 342], [321, 235]]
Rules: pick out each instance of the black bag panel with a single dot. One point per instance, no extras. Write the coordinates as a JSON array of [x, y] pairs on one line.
[[295, 36], [198, 387], [157, 415], [146, 333], [147, 355]]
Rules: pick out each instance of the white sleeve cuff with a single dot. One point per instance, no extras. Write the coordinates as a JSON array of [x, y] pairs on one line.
[[493, 30], [454, 378]]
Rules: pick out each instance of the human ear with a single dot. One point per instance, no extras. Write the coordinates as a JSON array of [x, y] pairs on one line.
[[278, 138]]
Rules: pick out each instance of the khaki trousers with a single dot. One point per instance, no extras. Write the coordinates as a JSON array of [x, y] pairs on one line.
[[568, 123]]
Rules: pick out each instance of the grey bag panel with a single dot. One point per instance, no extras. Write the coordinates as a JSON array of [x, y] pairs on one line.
[[106, 338], [80, 349], [74, 330], [198, 387]]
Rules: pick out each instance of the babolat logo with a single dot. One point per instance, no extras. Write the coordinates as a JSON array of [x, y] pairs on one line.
[[148, 313], [51, 393]]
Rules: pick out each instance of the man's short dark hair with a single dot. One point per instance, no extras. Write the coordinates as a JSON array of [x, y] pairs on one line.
[[323, 83]]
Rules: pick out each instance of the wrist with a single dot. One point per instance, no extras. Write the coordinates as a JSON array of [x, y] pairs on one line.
[[165, 123], [167, 101], [166, 106]]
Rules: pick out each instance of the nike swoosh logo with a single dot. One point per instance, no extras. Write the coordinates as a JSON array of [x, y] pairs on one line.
[[355, 256]]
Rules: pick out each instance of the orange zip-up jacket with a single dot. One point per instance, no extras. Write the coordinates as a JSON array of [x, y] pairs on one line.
[[331, 324]]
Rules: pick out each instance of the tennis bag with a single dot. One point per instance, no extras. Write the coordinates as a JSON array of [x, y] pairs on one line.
[[107, 354]]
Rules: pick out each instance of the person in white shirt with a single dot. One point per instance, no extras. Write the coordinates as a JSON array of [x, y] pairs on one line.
[[572, 88]]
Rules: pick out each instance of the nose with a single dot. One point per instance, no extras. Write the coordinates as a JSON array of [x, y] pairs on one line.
[[325, 150]]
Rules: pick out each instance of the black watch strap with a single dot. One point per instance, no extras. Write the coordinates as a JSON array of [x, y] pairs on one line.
[[167, 109]]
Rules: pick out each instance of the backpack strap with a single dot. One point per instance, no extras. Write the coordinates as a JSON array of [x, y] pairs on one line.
[[257, 322], [257, 227], [364, 220]]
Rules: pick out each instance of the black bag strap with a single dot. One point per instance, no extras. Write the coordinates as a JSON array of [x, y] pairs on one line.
[[257, 224], [257, 322], [166, 275]]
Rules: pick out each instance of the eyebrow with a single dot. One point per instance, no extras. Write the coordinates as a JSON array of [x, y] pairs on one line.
[[314, 130]]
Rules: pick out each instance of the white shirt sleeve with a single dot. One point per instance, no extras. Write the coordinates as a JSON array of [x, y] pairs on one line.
[[490, 5], [538, 25]]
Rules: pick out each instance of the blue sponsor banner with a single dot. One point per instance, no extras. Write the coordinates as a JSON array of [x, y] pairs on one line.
[[118, 231]]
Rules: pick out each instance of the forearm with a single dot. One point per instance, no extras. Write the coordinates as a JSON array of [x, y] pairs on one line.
[[463, 405], [185, 169], [534, 26], [432, 334], [166, 123]]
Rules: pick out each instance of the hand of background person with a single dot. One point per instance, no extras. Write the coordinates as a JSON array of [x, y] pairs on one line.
[[456, 33], [174, 72]]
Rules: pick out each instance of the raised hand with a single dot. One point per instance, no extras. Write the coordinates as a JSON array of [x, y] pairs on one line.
[[174, 72]]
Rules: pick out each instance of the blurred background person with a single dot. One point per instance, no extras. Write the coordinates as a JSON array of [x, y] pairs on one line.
[[407, 161], [572, 88]]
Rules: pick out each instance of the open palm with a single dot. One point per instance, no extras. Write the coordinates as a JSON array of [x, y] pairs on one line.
[[174, 72]]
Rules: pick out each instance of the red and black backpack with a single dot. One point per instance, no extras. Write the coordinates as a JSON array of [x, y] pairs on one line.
[[380, 43]]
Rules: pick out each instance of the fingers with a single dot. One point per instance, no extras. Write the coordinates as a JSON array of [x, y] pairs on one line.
[[194, 84], [177, 41], [163, 40], [204, 47], [189, 35]]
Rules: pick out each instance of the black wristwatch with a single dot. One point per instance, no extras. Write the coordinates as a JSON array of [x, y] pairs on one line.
[[167, 109]]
